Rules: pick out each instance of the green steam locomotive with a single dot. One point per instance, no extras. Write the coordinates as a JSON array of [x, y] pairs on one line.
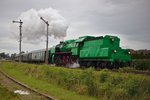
[[87, 51], [90, 51]]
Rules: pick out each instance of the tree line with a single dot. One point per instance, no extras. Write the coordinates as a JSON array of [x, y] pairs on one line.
[[140, 56], [6, 56]]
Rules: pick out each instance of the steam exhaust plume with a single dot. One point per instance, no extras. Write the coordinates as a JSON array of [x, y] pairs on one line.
[[34, 29], [74, 65]]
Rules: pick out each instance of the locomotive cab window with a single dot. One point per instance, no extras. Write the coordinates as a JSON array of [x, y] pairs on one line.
[[80, 44]]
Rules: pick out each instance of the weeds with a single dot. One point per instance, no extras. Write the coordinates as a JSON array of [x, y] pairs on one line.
[[100, 84], [7, 95], [141, 64]]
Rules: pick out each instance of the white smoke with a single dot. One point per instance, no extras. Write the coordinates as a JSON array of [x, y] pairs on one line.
[[74, 65], [34, 29]]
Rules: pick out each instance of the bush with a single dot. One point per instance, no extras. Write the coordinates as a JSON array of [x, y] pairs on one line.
[[101, 84], [141, 64]]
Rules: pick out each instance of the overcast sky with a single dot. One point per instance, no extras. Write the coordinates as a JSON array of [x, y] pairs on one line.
[[127, 19]]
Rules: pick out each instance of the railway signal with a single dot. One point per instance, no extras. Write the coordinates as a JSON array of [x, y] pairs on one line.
[[20, 36], [46, 22]]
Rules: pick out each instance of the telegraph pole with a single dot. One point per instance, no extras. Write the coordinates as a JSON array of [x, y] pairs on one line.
[[46, 22], [20, 27]]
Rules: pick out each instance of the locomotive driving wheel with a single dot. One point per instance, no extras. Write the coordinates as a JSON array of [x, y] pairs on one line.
[[57, 60]]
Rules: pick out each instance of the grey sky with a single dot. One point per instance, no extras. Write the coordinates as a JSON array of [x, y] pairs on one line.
[[128, 19]]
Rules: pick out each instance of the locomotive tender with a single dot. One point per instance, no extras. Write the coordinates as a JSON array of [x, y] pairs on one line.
[[87, 51]]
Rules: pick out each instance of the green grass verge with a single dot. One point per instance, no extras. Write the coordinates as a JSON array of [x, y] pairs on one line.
[[77, 84], [42, 85]]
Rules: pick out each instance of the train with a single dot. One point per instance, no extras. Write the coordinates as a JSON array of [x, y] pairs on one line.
[[100, 51]]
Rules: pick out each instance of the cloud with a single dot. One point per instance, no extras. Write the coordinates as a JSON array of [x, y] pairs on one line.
[[34, 29], [128, 19]]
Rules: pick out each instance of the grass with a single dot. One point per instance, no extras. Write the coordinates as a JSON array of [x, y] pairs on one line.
[[42, 85], [77, 84], [7, 95]]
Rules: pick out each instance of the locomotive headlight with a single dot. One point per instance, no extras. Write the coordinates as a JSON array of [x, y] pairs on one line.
[[115, 51], [112, 39], [129, 52]]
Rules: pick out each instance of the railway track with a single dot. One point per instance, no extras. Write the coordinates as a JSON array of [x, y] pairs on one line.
[[134, 72], [37, 95], [113, 70], [116, 70]]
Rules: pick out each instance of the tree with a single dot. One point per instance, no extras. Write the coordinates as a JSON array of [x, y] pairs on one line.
[[13, 56], [2, 55]]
